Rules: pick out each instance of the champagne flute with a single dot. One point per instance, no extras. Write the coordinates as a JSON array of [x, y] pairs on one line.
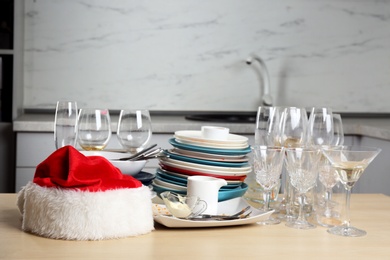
[[301, 164], [267, 166], [350, 162], [94, 129], [134, 129], [65, 124], [328, 177], [267, 133], [293, 131]]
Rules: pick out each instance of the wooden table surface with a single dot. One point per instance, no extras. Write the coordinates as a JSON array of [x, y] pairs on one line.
[[370, 212]]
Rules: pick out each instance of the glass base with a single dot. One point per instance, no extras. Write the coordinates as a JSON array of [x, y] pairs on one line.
[[300, 224], [347, 231], [270, 221]]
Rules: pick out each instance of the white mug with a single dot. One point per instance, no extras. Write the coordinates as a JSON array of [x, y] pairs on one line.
[[206, 188]]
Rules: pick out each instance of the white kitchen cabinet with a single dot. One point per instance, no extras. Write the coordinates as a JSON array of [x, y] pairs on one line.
[[33, 148], [376, 177]]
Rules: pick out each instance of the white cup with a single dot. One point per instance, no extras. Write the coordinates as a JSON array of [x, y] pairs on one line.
[[206, 188], [215, 132]]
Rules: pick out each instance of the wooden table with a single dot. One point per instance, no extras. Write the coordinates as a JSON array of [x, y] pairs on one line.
[[370, 212]]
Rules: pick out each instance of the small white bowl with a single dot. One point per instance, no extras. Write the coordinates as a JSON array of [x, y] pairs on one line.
[[126, 167]]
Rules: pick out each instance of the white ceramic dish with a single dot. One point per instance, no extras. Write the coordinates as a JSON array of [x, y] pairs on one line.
[[126, 167], [212, 145], [227, 207], [236, 171], [198, 137]]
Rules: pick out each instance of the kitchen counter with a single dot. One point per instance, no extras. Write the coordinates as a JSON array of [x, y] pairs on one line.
[[376, 127], [370, 212]]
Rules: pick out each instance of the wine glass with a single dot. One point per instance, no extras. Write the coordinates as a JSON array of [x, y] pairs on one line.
[[350, 162], [293, 131], [338, 131], [301, 164], [320, 128], [267, 166], [294, 127], [94, 129], [267, 130], [65, 124], [134, 129]]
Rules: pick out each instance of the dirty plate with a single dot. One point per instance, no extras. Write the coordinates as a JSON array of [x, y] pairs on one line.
[[226, 207]]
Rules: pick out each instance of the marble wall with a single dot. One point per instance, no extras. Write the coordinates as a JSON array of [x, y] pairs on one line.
[[190, 55]]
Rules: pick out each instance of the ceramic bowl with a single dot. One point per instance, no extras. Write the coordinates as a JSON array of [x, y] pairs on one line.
[[126, 167]]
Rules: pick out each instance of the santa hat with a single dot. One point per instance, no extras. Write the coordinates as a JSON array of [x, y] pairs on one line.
[[76, 197]]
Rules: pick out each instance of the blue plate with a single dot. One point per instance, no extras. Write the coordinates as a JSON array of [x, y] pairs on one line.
[[222, 194], [205, 162], [183, 181], [195, 148]]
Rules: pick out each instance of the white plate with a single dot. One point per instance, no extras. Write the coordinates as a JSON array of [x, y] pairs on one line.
[[211, 145], [222, 170], [227, 207], [197, 136]]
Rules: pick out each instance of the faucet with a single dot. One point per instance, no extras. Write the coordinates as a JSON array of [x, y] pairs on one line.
[[266, 98]]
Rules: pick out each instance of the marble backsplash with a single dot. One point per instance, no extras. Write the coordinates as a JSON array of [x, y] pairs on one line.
[[190, 55]]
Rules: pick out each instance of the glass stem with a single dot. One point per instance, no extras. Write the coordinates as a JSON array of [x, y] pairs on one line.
[[301, 217], [266, 198], [347, 207]]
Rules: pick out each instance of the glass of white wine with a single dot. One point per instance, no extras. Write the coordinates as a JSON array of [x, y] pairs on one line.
[[94, 129], [350, 162]]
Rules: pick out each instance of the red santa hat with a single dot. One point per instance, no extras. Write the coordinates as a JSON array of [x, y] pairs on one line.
[[76, 197]]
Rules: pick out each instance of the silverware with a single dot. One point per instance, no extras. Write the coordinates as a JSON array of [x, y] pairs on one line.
[[237, 215], [140, 153]]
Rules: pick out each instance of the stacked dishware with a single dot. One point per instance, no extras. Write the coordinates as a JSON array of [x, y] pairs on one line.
[[194, 153]]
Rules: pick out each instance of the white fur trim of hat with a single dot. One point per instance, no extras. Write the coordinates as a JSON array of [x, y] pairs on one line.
[[82, 215]]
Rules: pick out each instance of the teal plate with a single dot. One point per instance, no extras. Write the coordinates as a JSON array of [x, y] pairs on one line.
[[183, 181], [195, 148], [222, 194], [205, 162]]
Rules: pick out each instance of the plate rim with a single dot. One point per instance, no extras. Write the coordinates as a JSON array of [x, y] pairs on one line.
[[240, 138], [173, 222]]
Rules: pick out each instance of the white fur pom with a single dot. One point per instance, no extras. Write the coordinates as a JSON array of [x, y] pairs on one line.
[[79, 215]]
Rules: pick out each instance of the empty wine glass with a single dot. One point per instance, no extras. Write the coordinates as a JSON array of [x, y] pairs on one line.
[[65, 124], [301, 164], [267, 131], [338, 131], [350, 162], [267, 166], [94, 129], [320, 128], [134, 129]]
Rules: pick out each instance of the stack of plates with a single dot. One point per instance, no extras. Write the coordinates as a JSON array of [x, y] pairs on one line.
[[194, 155]]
